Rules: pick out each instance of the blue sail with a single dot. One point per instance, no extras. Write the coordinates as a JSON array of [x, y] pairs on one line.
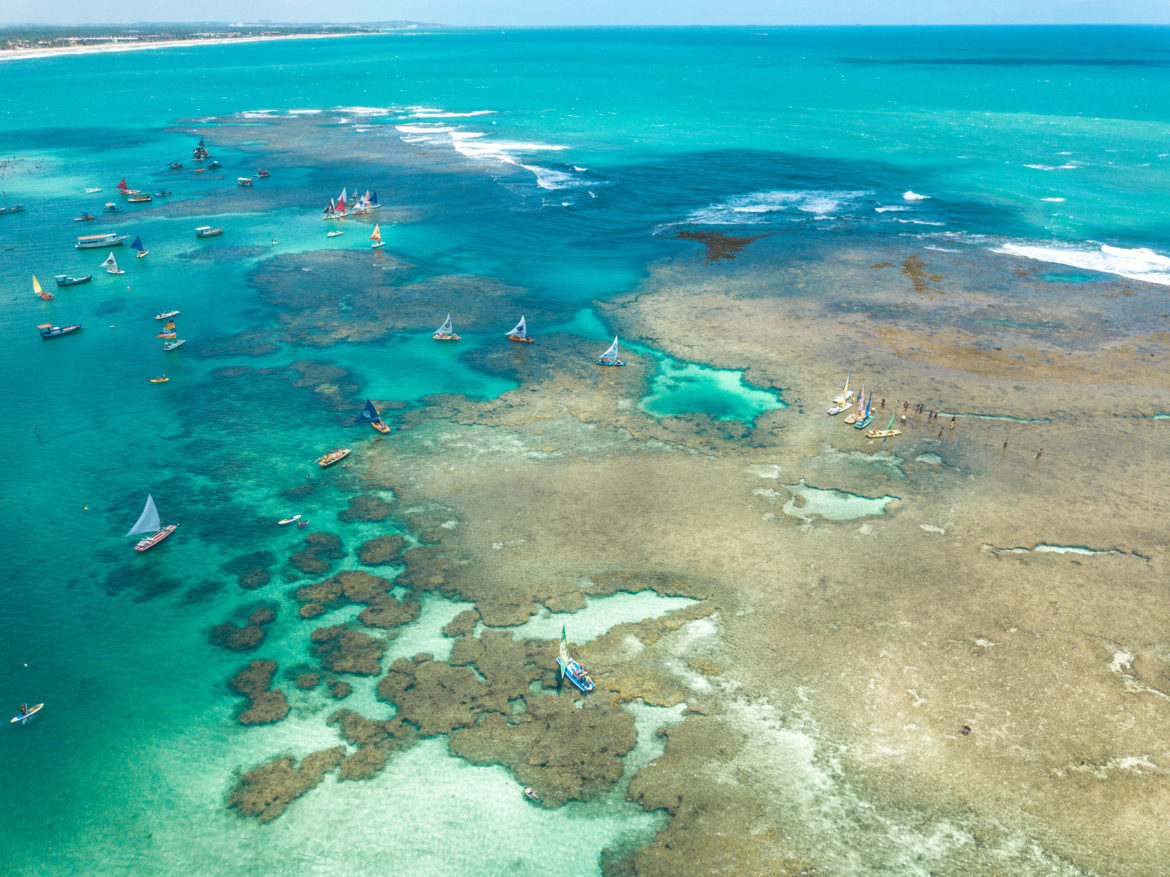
[[369, 414], [373, 199], [137, 245]]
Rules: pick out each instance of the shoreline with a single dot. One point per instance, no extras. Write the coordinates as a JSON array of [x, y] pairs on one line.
[[103, 48]]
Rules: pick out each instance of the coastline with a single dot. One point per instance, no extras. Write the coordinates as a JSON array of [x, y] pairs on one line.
[[103, 48]]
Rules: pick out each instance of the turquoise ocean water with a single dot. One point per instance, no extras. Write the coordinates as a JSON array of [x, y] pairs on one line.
[[554, 164]]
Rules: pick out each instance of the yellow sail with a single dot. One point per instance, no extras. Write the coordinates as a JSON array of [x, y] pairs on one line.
[[377, 235], [37, 286]]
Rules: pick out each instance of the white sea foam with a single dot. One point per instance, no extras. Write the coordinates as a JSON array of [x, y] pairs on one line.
[[547, 178], [758, 207], [890, 208], [1053, 200], [1053, 167], [914, 196], [1137, 264], [436, 113]]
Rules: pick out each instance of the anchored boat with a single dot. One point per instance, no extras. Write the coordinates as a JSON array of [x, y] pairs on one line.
[[67, 280], [326, 460], [98, 241], [446, 332], [111, 265], [520, 333], [149, 522], [371, 416], [206, 231], [48, 330], [610, 357], [888, 432], [570, 669]]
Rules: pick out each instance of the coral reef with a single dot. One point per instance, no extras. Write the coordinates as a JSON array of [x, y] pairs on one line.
[[365, 507], [265, 791], [342, 650], [320, 550], [381, 549], [253, 683]]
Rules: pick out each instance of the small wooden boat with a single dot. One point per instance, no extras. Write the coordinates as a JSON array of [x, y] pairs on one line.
[[530, 794], [171, 334], [860, 412], [175, 166], [15, 208], [48, 330], [837, 409], [206, 231], [283, 521], [163, 194], [174, 345], [260, 172], [149, 521], [333, 234], [111, 207], [888, 432], [244, 181], [326, 460], [138, 198], [610, 357], [40, 292], [67, 280], [25, 714], [166, 315], [866, 418], [446, 332], [85, 217], [161, 379], [520, 333], [371, 416], [844, 396], [570, 669], [138, 248]]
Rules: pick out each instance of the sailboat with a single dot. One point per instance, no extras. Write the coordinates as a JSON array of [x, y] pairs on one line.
[[37, 289], [888, 432], [372, 201], [376, 237], [570, 669], [148, 522], [111, 265], [171, 333], [371, 416], [446, 332], [866, 419], [339, 207], [844, 396], [610, 357], [137, 246], [860, 412], [520, 333]]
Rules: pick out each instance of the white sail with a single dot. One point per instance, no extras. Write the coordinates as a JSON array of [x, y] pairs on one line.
[[446, 328], [148, 521], [520, 329], [612, 353], [110, 262]]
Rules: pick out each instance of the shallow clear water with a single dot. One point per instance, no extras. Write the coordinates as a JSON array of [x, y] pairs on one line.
[[587, 151]]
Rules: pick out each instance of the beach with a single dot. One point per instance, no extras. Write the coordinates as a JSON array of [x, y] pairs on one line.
[[810, 651]]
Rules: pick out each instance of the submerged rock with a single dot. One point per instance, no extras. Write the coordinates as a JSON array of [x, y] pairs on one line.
[[388, 612], [437, 697], [320, 550], [382, 549], [366, 507], [462, 624], [563, 752], [355, 586], [342, 650], [265, 791], [253, 683]]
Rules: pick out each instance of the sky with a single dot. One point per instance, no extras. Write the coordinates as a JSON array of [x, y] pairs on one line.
[[595, 12]]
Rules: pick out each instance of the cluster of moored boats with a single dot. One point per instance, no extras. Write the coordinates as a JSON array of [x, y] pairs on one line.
[[861, 417], [519, 332]]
